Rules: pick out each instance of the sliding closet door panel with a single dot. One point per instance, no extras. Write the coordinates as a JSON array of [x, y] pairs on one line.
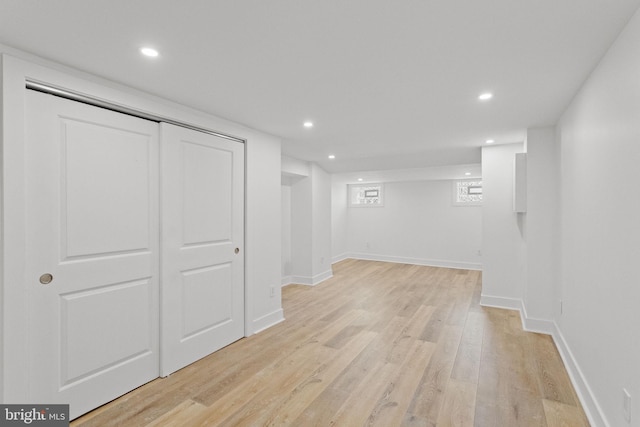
[[203, 245], [93, 252]]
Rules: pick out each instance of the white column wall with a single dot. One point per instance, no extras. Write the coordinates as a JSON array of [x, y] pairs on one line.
[[503, 231], [296, 219], [310, 223], [263, 225], [286, 234], [301, 231], [321, 224], [339, 222], [542, 225]]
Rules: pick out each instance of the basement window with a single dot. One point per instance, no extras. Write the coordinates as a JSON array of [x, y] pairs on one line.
[[366, 195], [467, 193]]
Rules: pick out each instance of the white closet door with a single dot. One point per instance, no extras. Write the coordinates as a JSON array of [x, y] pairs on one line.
[[92, 256], [203, 245]]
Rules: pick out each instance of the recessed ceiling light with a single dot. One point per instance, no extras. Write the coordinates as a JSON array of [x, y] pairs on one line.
[[308, 124], [467, 173], [331, 156], [485, 96], [489, 141], [359, 179], [148, 51]]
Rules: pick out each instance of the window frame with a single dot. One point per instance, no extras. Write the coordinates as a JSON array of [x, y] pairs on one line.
[[366, 188], [454, 192]]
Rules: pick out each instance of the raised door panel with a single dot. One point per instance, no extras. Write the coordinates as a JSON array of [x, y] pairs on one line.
[[97, 332], [207, 194], [206, 296], [104, 172]]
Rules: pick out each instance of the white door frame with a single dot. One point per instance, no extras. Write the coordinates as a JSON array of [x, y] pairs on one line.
[[13, 311]]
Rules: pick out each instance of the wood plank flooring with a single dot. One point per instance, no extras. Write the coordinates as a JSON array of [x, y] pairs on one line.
[[379, 344]]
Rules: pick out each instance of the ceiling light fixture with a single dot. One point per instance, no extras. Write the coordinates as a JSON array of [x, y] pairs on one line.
[[485, 96], [308, 124], [359, 179], [467, 173], [489, 141], [150, 52], [331, 156]]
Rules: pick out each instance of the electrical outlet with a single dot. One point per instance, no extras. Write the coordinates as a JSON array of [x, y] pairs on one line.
[[626, 405], [273, 291]]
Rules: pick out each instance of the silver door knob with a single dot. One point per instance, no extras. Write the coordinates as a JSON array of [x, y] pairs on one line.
[[237, 250], [46, 278]]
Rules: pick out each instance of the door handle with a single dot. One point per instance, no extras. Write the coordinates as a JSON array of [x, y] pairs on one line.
[[46, 278], [236, 250]]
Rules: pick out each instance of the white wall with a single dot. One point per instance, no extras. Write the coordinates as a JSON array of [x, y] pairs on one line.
[[294, 167], [296, 237], [321, 224], [600, 153], [542, 225], [417, 224], [286, 233], [310, 227], [503, 231], [264, 235], [339, 246], [301, 231]]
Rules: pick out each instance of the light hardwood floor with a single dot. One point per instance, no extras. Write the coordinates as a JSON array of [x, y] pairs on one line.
[[379, 344]]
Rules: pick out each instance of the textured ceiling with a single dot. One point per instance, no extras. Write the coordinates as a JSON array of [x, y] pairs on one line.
[[388, 84]]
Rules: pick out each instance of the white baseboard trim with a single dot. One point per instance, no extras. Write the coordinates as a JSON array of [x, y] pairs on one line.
[[301, 280], [339, 258], [531, 324], [268, 320], [587, 399], [322, 276], [312, 281], [417, 261], [286, 280], [500, 302], [539, 326]]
